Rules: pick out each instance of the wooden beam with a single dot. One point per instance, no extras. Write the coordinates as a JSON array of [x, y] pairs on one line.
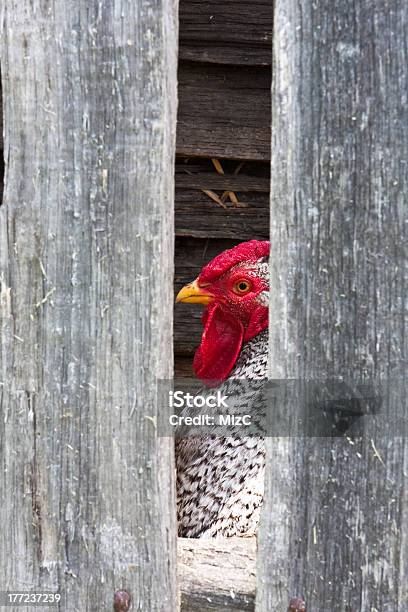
[[229, 32], [210, 180], [335, 520], [86, 267], [199, 216], [238, 54], [1, 128], [1, 148], [224, 111], [217, 574]]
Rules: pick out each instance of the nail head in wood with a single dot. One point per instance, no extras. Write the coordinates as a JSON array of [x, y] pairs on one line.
[[121, 601], [297, 604]]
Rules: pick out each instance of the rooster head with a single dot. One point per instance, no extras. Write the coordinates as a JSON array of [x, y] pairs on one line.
[[234, 288]]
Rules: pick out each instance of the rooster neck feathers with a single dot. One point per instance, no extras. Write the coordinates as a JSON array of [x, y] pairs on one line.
[[220, 481]]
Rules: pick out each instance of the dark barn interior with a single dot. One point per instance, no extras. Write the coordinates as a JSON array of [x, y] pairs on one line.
[[223, 142]]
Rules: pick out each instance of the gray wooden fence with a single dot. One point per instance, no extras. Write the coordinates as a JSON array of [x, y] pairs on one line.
[[336, 515], [86, 251]]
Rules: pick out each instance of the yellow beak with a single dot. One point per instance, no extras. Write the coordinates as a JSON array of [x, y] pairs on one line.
[[194, 294]]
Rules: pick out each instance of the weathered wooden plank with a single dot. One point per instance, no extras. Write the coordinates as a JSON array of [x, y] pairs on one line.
[[86, 249], [1, 149], [1, 123], [229, 32], [188, 330], [183, 366], [217, 574], [211, 180], [224, 111], [335, 517], [198, 215], [238, 54]]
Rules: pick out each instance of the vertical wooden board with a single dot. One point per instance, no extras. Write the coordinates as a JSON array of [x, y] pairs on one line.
[[86, 269], [335, 517]]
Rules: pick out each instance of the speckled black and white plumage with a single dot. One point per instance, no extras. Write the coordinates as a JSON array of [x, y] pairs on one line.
[[220, 480]]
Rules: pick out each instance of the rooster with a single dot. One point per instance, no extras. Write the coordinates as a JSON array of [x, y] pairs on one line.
[[220, 479]]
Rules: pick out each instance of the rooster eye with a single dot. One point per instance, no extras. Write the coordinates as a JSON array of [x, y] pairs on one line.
[[242, 287]]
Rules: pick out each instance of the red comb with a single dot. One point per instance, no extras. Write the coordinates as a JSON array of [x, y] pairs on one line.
[[246, 251]]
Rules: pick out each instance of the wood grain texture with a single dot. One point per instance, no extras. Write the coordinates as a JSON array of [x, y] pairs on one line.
[[224, 111], [217, 574], [1, 123], [199, 216], [335, 519], [211, 180], [228, 32], [1, 148], [86, 250]]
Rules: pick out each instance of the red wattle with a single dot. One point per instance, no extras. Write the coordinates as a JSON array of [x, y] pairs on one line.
[[222, 340], [220, 345], [257, 323]]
